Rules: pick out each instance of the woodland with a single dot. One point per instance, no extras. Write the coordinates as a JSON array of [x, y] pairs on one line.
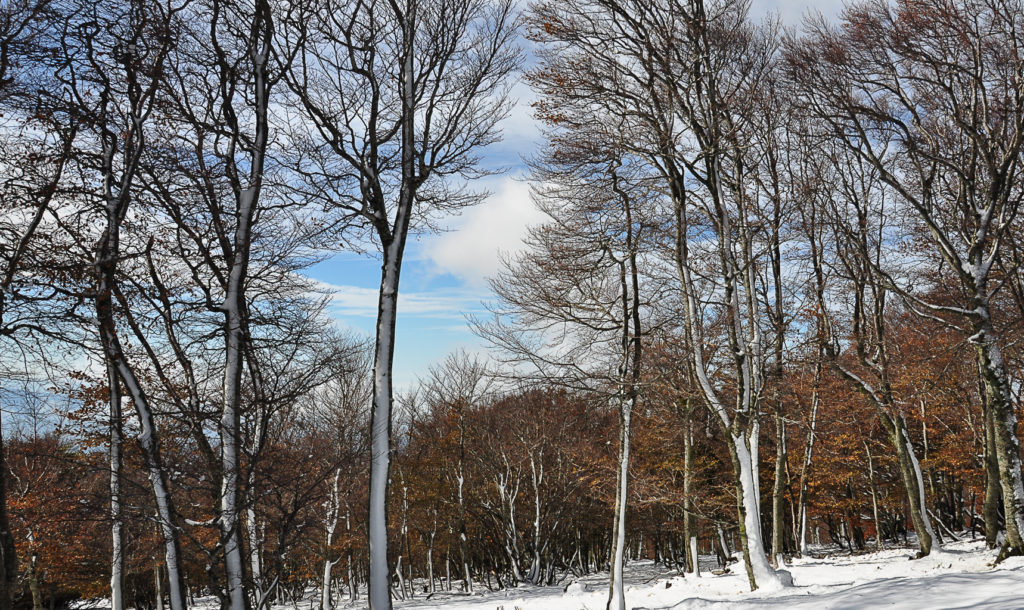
[[774, 306]]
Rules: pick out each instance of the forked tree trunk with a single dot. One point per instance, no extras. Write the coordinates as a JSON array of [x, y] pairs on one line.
[[1004, 425], [107, 256], [913, 481]]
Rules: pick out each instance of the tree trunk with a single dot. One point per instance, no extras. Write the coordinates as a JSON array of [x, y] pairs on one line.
[[380, 433], [874, 496], [689, 518], [537, 477], [116, 467], [33, 582], [1007, 446], [759, 571], [252, 531], [158, 586], [805, 466], [230, 429], [8, 555], [616, 588], [430, 564], [107, 256], [993, 488], [393, 246], [779, 489], [913, 481], [353, 585]]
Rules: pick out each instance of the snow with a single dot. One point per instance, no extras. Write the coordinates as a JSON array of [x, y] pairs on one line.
[[764, 575], [960, 577]]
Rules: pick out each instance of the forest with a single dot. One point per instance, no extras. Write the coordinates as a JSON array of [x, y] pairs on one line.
[[773, 309]]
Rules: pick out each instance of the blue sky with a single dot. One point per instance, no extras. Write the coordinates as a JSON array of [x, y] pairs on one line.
[[444, 277]]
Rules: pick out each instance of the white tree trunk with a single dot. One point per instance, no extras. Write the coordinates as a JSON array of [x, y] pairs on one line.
[[252, 531], [116, 523], [616, 587], [380, 435], [158, 481], [230, 424], [333, 509], [921, 499], [756, 561], [805, 468], [537, 477]]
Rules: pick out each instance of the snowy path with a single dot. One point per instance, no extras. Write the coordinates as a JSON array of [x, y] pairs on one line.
[[961, 577]]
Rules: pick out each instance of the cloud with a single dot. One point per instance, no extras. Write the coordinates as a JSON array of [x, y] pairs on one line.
[[520, 129], [472, 250], [356, 301]]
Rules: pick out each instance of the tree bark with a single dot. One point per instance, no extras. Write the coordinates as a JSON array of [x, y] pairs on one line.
[[779, 489], [993, 483], [616, 588], [1004, 424], [115, 464]]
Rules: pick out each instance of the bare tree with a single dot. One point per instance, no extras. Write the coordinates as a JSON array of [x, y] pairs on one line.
[[857, 216], [687, 75], [575, 308], [221, 95], [928, 95], [459, 383], [401, 96], [111, 72], [33, 171]]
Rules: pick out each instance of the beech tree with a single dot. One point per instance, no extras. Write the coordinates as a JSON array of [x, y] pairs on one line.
[[822, 228], [575, 309], [401, 98], [926, 94], [857, 214], [110, 74], [32, 168]]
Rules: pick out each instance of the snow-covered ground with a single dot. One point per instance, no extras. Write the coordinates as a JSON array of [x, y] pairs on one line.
[[960, 577]]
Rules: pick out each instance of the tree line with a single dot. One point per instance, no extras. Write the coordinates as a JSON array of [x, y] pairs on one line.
[[810, 231]]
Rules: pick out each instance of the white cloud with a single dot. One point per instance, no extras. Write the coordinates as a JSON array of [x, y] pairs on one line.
[[356, 301], [472, 250], [520, 130]]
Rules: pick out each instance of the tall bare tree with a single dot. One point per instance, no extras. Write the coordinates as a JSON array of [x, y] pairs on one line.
[[929, 95], [857, 217], [401, 97], [111, 74], [686, 73], [33, 170], [576, 307]]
